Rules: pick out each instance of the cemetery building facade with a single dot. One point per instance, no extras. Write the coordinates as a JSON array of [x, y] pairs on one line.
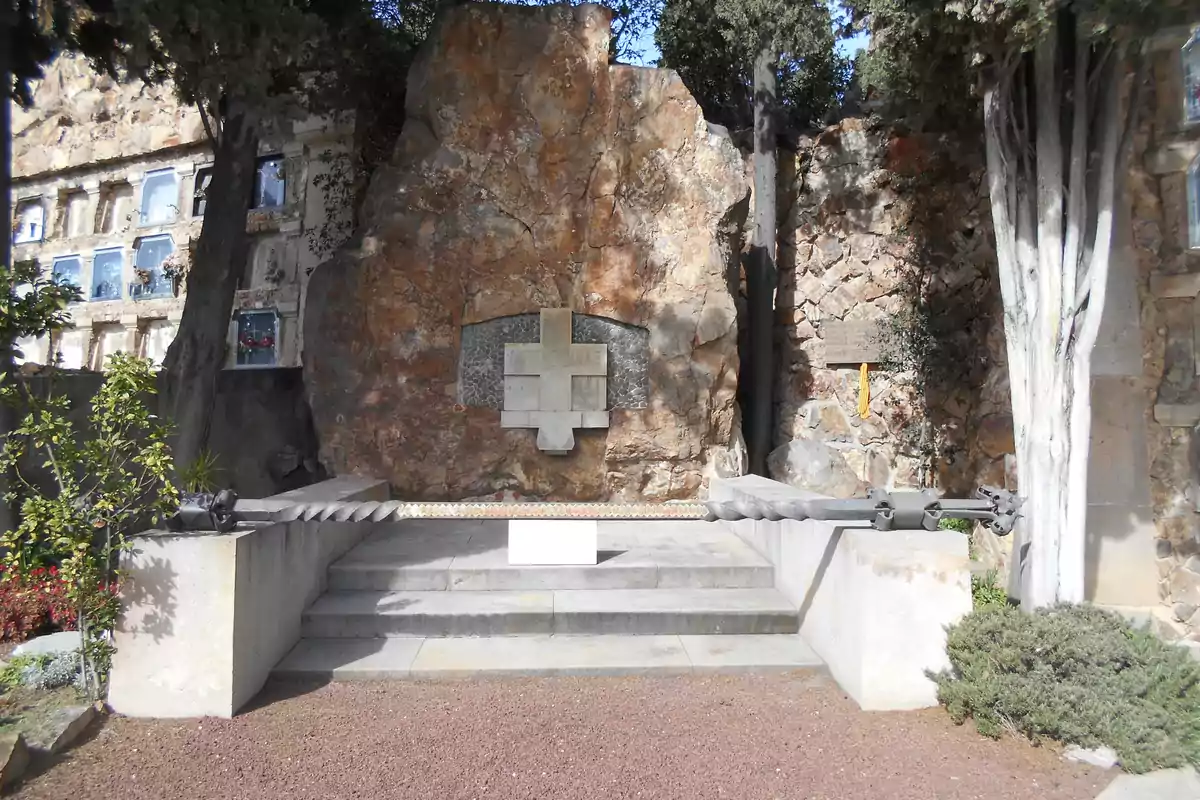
[[109, 192]]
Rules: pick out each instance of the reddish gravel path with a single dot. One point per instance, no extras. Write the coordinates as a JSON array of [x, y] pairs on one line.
[[736, 737]]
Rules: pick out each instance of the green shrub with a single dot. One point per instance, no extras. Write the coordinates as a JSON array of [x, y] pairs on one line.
[[1079, 675], [955, 524], [987, 591]]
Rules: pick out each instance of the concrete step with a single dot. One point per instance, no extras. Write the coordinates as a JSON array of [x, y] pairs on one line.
[[416, 657], [465, 555], [503, 577], [506, 613]]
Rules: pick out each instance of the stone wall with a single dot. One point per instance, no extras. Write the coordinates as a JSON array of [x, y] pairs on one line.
[[81, 117], [1169, 281], [894, 230], [531, 174]]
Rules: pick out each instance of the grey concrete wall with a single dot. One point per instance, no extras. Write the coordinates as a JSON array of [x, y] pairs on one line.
[[262, 431], [206, 616], [1120, 553], [874, 605]]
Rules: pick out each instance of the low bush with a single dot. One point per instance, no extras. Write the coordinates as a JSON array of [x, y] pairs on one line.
[[1078, 675], [33, 603], [41, 671]]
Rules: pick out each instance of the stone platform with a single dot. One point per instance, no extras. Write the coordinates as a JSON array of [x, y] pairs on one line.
[[427, 598]]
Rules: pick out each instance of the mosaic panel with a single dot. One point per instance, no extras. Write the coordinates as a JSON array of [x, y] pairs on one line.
[[481, 361]]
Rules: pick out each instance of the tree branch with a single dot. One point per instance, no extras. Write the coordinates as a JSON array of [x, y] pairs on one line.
[[208, 126], [1049, 166], [1076, 191]]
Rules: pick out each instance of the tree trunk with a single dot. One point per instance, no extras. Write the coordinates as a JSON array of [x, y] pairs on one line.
[[760, 271], [1052, 200], [8, 517], [197, 355], [6, 211]]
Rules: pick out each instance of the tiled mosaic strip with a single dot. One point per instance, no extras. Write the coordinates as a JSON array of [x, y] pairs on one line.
[[398, 510]]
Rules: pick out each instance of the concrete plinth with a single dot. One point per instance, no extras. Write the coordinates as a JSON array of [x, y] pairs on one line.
[[205, 616], [874, 605]]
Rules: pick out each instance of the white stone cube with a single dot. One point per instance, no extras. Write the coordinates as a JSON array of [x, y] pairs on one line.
[[552, 542]]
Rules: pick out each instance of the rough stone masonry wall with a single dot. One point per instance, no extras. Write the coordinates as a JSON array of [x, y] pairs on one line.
[[1169, 278], [873, 224], [82, 117], [533, 174]]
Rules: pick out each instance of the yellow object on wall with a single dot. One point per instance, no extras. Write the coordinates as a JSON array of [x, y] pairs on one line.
[[864, 393]]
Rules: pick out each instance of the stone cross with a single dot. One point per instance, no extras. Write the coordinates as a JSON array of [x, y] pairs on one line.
[[555, 385]]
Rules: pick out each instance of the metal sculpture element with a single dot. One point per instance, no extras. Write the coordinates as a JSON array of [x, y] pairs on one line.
[[206, 512], [995, 508], [911, 510]]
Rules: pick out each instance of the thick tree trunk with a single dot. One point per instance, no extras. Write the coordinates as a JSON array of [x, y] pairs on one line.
[[760, 271], [1052, 199], [197, 355]]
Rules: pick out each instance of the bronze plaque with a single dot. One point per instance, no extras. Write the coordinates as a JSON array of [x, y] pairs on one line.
[[851, 342]]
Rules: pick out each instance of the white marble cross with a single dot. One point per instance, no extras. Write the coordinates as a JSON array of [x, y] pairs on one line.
[[555, 385]]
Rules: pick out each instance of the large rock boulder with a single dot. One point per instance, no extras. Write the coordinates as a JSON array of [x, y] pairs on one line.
[[533, 174], [815, 466]]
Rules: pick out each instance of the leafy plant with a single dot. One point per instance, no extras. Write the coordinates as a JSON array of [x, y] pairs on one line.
[[1076, 674], [41, 671], [33, 602], [32, 303], [963, 526], [200, 476], [12, 674], [105, 479], [52, 672], [987, 591]]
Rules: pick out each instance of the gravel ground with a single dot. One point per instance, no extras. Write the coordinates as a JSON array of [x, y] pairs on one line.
[[738, 737]]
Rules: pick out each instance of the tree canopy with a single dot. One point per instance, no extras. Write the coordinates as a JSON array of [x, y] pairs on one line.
[[933, 59], [713, 44]]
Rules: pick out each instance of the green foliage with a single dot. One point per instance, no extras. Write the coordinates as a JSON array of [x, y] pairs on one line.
[[200, 475], [954, 524], [713, 46], [31, 303], [108, 478], [931, 57], [987, 591], [1075, 674], [43, 28], [213, 48], [13, 672]]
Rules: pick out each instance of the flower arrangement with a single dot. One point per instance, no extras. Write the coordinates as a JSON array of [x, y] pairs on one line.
[[247, 342]]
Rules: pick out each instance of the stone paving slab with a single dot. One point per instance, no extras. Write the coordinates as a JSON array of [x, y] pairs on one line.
[[750, 652], [372, 614], [1166, 784], [499, 613], [351, 659], [551, 655], [400, 658]]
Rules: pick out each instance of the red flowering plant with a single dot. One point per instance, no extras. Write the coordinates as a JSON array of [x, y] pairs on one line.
[[33, 603], [107, 478]]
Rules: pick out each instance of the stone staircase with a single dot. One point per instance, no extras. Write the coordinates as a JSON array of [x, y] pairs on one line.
[[438, 597]]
